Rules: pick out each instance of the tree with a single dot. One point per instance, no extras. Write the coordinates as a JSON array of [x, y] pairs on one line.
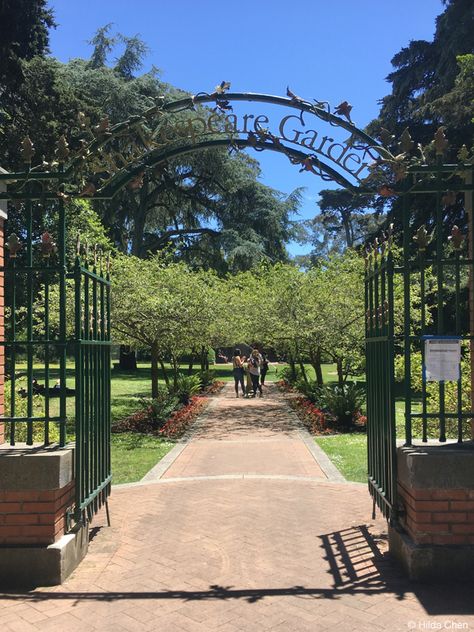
[[24, 26], [426, 71], [344, 221], [166, 308]]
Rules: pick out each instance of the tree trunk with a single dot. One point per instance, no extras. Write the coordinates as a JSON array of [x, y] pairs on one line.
[[340, 372], [303, 371], [204, 357], [127, 359], [174, 362], [154, 371], [316, 364], [191, 364], [292, 364], [165, 374]]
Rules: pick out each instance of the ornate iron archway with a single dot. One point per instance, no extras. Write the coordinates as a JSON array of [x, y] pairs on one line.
[[107, 158]]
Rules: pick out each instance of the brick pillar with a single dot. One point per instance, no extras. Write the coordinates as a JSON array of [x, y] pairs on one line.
[[434, 538]]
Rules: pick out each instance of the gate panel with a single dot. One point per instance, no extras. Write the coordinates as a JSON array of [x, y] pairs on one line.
[[92, 353], [381, 431]]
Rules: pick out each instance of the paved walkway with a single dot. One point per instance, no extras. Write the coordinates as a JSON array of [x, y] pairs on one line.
[[245, 530]]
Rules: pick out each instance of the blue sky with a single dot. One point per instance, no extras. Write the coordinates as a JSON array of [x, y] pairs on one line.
[[329, 51]]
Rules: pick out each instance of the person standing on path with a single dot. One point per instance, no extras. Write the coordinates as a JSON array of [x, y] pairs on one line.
[[255, 362], [263, 369], [238, 371]]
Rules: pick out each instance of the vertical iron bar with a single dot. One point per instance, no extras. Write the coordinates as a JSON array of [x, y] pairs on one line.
[[391, 357], [406, 320], [46, 355], [96, 378], [13, 352], [29, 319], [424, 419], [439, 283], [79, 398], [457, 282], [87, 393], [62, 320]]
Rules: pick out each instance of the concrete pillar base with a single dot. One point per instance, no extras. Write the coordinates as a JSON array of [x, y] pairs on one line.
[[32, 566], [431, 563]]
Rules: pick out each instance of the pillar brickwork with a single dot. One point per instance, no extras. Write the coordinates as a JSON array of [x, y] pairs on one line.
[[433, 537]]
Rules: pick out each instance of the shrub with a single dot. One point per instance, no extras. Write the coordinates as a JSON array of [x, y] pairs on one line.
[[343, 402], [152, 416], [207, 378], [186, 386], [288, 376], [310, 389]]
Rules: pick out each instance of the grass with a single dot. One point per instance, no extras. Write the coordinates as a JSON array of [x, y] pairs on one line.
[[348, 452], [133, 455]]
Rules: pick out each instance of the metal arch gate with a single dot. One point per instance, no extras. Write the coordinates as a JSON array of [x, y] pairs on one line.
[[91, 341]]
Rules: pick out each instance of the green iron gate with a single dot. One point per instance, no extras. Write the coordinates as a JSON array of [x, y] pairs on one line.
[[381, 434], [44, 288], [419, 290], [92, 369]]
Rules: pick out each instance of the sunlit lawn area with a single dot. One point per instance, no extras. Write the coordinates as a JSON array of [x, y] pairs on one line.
[[133, 455], [348, 452]]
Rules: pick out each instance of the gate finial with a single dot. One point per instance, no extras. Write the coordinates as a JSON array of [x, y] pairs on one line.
[[440, 141], [14, 245], [422, 238], [456, 238]]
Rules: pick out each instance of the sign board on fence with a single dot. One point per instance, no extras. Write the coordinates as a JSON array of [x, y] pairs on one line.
[[442, 359]]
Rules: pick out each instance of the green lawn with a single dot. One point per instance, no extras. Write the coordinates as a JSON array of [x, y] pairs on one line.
[[348, 452], [133, 455]]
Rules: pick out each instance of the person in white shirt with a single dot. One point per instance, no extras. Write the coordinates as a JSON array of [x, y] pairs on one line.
[[255, 363]]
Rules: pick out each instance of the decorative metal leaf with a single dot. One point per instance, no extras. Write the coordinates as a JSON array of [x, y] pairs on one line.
[[47, 245], [83, 120], [386, 137], [449, 198], [88, 190], [406, 143], [136, 182], [440, 141], [222, 87], [344, 109], [294, 97], [422, 238], [463, 154], [103, 127], [14, 245], [456, 238], [386, 191], [62, 149], [27, 149]]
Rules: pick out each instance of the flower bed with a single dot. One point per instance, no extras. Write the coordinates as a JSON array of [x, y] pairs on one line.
[[144, 421], [182, 418], [316, 420]]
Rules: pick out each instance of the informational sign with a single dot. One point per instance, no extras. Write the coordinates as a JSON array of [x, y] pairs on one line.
[[442, 359]]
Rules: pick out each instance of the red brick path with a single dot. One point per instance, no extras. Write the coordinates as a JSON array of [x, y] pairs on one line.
[[243, 532]]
